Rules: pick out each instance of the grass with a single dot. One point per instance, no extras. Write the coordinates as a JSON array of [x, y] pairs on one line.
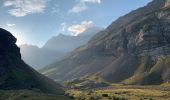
[[82, 48], [147, 72], [142, 64], [87, 82], [122, 92], [166, 84], [29, 95], [167, 60]]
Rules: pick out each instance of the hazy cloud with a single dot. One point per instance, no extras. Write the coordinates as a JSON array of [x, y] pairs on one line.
[[91, 1], [20, 8], [79, 7], [56, 9], [64, 26], [10, 25], [82, 5], [79, 28]]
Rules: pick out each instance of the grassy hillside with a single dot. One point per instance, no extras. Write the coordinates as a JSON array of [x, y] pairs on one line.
[[148, 73], [29, 95]]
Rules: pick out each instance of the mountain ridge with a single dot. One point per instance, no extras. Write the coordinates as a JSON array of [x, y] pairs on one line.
[[130, 51], [54, 48]]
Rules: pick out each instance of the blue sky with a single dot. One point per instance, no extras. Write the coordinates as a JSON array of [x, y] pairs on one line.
[[35, 21]]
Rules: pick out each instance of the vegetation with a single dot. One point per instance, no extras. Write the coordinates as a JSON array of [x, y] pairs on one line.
[[121, 92], [80, 90], [29, 95], [87, 82]]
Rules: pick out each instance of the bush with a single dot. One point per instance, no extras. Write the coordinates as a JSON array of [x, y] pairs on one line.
[[105, 95]]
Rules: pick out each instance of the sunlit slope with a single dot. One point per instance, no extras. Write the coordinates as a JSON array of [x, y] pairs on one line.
[[135, 49]]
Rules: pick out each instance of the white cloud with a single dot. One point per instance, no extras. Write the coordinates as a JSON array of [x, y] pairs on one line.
[[10, 25], [8, 3], [80, 28], [20, 8], [92, 1], [82, 5], [79, 7]]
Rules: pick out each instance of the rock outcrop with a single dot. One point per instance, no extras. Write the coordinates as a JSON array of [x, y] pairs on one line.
[[15, 74]]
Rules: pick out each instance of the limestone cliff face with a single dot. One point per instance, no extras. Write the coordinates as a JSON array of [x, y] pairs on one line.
[[135, 49], [15, 74]]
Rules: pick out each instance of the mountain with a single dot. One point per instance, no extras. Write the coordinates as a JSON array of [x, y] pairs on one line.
[[135, 49], [15, 74], [55, 48], [66, 43]]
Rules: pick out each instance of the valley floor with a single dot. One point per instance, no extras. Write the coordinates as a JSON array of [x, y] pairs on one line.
[[113, 92], [29, 95], [122, 92]]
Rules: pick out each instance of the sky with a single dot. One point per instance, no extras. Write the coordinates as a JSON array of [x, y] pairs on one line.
[[36, 21]]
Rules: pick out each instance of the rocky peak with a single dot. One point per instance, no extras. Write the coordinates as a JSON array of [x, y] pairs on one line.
[[6, 37], [7, 44]]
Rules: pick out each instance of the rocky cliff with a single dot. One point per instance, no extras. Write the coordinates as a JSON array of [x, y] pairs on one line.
[[15, 74], [135, 49]]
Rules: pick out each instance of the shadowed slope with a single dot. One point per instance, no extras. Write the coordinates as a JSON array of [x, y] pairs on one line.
[[15, 74]]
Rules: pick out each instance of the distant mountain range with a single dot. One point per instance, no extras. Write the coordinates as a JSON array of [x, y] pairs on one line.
[[135, 49], [54, 48], [16, 75]]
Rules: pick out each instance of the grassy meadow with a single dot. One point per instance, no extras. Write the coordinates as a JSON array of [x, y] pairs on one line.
[[122, 92]]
